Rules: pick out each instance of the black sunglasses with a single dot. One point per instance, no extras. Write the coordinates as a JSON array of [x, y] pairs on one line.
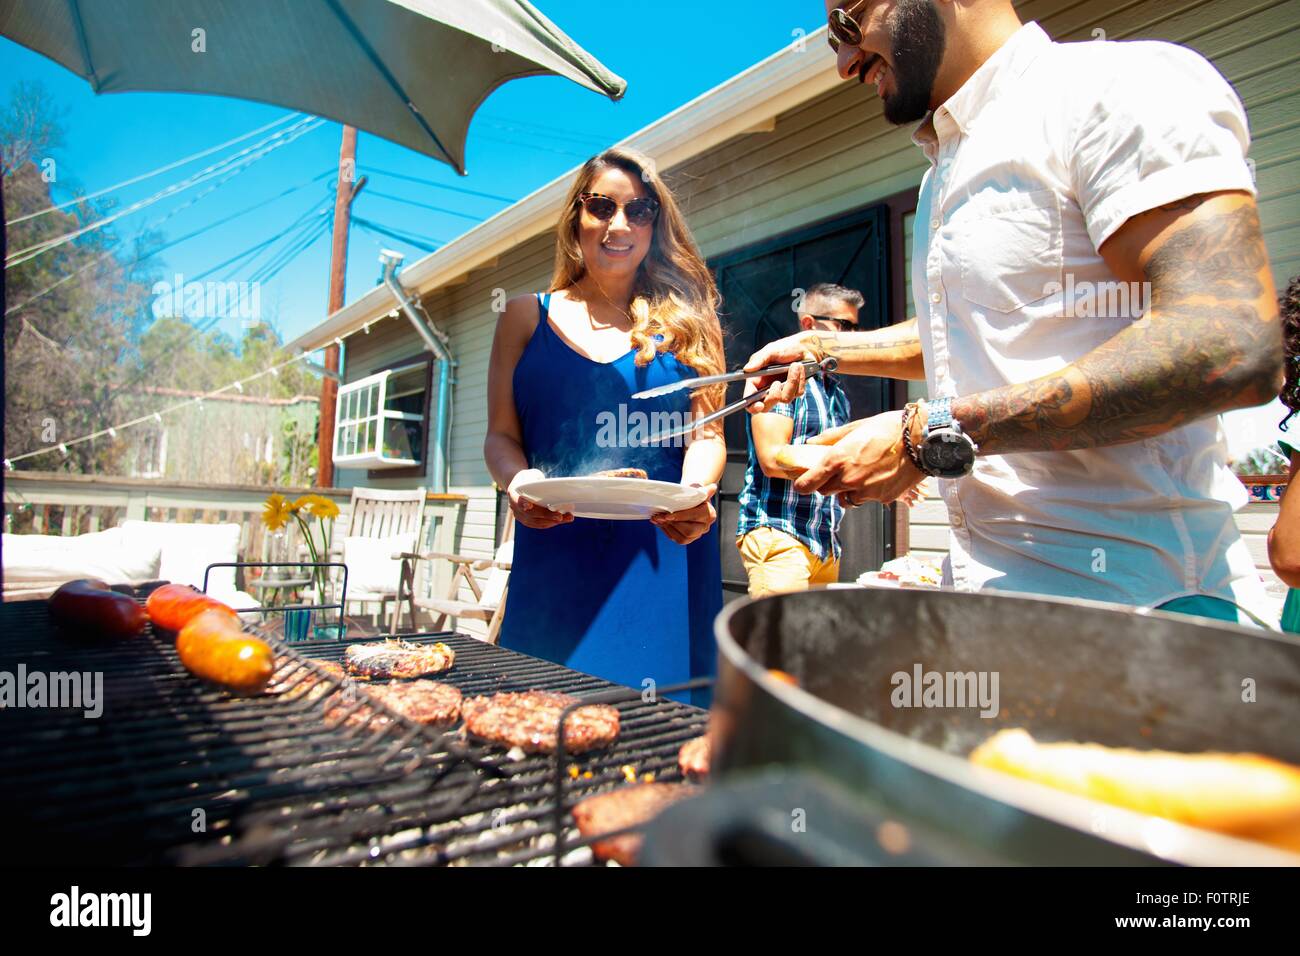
[[844, 325], [639, 212], [843, 27]]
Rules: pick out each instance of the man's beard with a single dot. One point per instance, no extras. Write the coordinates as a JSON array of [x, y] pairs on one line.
[[917, 42]]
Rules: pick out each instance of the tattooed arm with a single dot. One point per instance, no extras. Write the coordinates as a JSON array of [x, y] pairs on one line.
[[891, 352], [1210, 341]]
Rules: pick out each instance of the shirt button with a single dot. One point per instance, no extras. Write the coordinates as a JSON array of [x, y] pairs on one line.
[[935, 297], [935, 223], [958, 521]]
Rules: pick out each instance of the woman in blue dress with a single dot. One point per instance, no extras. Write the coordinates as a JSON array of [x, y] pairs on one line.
[[631, 306]]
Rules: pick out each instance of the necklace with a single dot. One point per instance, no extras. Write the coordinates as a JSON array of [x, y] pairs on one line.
[[592, 319]]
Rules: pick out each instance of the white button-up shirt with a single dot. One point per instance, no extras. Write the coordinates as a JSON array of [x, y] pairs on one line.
[[1039, 158]]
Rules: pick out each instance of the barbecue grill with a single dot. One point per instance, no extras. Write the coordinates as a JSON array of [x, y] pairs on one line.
[[176, 771]]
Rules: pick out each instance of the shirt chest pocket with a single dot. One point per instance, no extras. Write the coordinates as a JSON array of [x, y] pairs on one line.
[[1011, 251]]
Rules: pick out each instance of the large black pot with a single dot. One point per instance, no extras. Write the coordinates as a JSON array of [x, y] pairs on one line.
[[1078, 671]]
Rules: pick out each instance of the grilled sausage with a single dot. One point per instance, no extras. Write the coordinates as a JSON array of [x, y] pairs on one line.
[[213, 646], [90, 608], [172, 606]]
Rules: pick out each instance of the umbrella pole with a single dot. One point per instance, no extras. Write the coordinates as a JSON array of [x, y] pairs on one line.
[[346, 191]]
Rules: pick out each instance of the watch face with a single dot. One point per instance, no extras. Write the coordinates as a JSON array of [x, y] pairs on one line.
[[948, 454]]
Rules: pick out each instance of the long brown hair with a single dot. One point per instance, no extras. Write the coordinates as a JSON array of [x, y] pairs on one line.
[[1289, 306], [674, 294]]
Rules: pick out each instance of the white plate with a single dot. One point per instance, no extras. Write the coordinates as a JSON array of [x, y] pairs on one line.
[[616, 499]]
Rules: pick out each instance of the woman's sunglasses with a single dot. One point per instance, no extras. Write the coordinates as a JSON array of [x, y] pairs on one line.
[[842, 26], [639, 212]]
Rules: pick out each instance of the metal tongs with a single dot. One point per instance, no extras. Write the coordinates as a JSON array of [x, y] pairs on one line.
[[811, 366]]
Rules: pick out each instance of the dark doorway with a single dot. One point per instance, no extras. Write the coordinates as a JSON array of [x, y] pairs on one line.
[[758, 286]]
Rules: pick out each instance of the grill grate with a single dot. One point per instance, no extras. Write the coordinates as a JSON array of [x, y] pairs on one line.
[[176, 771]]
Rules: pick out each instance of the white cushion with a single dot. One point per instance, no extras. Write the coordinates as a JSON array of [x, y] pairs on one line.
[[371, 568], [36, 559], [187, 549]]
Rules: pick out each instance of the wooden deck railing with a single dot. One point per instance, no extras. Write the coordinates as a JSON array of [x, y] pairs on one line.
[[54, 503]]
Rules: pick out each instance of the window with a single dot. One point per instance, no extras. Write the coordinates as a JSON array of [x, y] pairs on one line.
[[381, 419]]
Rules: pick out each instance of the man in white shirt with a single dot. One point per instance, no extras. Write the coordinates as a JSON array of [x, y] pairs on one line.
[[1092, 291]]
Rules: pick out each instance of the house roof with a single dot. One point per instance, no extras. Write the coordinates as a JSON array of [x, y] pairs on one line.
[[747, 102]]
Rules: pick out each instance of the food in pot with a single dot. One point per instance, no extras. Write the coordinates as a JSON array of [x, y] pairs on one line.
[[621, 473], [625, 807], [397, 659], [693, 759], [529, 721], [214, 647], [423, 701], [1242, 794], [89, 608]]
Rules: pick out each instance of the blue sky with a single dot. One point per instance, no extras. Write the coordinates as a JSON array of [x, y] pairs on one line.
[[525, 134]]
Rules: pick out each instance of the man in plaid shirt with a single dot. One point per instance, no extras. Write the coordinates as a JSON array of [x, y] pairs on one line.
[[790, 541]]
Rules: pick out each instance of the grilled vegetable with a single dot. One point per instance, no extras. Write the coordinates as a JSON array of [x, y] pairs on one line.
[[172, 606], [91, 609], [213, 646]]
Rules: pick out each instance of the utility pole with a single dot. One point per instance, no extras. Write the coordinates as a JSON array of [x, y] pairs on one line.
[[347, 190]]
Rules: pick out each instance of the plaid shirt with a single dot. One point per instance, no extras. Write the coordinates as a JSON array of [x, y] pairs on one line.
[[772, 502]]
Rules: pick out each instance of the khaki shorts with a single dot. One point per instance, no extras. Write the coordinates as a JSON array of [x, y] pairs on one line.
[[777, 562]]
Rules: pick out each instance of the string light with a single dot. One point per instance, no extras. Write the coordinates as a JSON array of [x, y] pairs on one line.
[[157, 416]]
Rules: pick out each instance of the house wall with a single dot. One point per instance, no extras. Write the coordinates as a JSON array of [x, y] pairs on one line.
[[836, 153]]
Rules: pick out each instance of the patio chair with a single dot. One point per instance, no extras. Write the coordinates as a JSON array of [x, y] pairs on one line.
[[382, 523], [489, 603]]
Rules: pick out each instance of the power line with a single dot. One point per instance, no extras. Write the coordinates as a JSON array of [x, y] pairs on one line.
[[527, 145], [417, 242], [292, 251], [153, 172], [174, 242], [430, 182], [421, 205], [586, 140], [258, 151], [196, 330]]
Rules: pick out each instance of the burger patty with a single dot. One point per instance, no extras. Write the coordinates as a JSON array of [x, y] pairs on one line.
[[397, 659], [621, 473], [529, 720], [625, 807], [693, 759], [423, 701]]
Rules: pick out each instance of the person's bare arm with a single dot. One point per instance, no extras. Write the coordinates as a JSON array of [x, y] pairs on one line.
[[503, 448], [1210, 341], [771, 434], [1284, 536], [702, 464], [891, 352]]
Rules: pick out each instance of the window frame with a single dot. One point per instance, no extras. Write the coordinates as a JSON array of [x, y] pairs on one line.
[[380, 377]]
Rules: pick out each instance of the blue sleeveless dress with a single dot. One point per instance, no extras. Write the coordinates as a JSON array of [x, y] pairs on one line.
[[616, 599]]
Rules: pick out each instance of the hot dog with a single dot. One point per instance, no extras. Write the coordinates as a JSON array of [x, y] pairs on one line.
[[92, 609], [212, 645], [172, 606]]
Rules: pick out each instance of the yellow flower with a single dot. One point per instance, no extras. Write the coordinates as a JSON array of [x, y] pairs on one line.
[[324, 508], [276, 512], [317, 506]]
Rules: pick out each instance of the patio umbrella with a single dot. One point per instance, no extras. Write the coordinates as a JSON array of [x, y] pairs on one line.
[[411, 71]]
